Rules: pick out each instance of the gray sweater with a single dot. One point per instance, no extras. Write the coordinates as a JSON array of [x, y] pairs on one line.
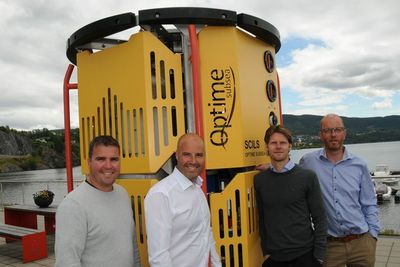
[[96, 228], [289, 204]]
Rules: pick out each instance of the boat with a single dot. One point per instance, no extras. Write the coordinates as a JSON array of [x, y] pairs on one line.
[[384, 175], [383, 192], [391, 181], [381, 170]]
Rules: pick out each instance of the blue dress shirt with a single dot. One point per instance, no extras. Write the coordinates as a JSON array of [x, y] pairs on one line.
[[348, 193]]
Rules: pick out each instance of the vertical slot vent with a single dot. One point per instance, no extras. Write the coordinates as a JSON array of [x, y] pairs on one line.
[[240, 254], [238, 217], [84, 144], [174, 121], [223, 256], [221, 223], [231, 255], [165, 125], [98, 121], [229, 214], [109, 112], [93, 126], [140, 219], [129, 132], [153, 75], [88, 130], [141, 123], [162, 77], [116, 117], [135, 133], [104, 117], [156, 132], [172, 83], [121, 112]]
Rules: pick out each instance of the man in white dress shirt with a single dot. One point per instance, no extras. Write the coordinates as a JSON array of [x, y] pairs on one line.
[[177, 213]]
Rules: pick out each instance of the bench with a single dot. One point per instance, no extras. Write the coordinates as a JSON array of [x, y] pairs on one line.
[[34, 243], [26, 216]]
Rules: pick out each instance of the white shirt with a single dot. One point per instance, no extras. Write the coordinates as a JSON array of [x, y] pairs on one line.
[[178, 224]]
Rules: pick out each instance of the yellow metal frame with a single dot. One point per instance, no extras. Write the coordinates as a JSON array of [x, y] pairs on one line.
[[234, 222], [134, 92], [235, 104], [137, 190]]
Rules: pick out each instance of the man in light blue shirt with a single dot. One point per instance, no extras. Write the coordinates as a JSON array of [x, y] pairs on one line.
[[349, 197]]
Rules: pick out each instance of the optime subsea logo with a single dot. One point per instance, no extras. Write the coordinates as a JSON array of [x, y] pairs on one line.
[[221, 104]]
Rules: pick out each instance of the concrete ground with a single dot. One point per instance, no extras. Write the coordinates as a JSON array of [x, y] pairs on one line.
[[387, 252]]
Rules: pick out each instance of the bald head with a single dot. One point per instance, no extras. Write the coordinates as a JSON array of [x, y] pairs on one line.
[[189, 137], [190, 155], [331, 117]]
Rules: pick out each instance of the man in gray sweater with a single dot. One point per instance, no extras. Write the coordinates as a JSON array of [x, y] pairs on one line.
[[94, 223], [291, 212]]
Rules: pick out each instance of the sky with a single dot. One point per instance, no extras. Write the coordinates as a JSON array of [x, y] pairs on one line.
[[336, 56]]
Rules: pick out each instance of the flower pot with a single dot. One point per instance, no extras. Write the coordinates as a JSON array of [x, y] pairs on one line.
[[43, 198], [43, 202]]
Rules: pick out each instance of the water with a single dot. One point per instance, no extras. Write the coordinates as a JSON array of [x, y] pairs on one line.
[[18, 187], [373, 154]]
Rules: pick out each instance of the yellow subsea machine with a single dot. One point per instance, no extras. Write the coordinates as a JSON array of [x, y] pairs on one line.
[[202, 70]]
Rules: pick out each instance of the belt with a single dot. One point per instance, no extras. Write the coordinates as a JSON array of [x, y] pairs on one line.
[[344, 239]]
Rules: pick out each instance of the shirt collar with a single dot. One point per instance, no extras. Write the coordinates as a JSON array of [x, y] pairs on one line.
[[290, 165], [184, 182], [346, 154]]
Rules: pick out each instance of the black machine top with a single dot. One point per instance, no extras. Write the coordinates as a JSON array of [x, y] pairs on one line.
[[96, 32]]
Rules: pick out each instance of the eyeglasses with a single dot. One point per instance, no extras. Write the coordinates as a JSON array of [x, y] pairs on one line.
[[336, 130]]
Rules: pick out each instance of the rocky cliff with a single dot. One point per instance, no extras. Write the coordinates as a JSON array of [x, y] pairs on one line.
[[38, 149], [15, 144]]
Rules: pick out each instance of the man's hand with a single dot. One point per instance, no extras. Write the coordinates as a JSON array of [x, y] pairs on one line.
[[263, 167]]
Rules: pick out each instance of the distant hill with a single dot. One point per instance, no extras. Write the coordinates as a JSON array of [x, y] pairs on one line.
[[37, 149], [41, 149], [359, 130]]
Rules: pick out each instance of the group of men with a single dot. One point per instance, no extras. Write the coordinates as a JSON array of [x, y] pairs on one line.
[[320, 212]]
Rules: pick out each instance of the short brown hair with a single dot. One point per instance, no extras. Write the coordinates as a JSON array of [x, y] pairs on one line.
[[277, 129], [105, 140]]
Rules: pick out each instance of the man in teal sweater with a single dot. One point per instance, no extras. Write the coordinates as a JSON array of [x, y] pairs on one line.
[[291, 213]]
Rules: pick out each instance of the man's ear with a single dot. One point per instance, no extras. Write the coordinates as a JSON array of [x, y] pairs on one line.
[[266, 149]]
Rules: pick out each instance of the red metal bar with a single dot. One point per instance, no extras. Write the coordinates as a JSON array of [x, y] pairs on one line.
[[67, 126], [195, 58]]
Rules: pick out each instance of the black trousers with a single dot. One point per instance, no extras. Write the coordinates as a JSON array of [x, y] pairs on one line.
[[305, 260]]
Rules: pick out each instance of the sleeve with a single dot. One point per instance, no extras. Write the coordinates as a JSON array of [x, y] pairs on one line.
[[318, 217], [261, 218], [215, 259], [158, 227], [71, 232], [368, 203]]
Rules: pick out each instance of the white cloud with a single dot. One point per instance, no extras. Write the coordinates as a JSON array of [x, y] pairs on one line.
[[384, 104]]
